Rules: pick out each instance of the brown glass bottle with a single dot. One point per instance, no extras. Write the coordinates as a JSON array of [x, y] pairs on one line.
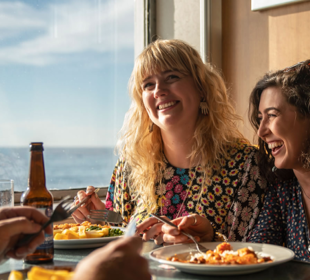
[[38, 196]]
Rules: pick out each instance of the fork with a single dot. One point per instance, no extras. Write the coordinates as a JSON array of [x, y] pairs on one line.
[[63, 210], [106, 216], [131, 228], [200, 248]]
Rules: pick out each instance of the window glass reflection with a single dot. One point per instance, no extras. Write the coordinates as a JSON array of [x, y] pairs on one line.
[[64, 71]]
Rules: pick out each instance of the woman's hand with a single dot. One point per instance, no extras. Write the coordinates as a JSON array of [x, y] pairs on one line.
[[94, 203], [200, 228], [151, 229], [118, 260], [14, 223]]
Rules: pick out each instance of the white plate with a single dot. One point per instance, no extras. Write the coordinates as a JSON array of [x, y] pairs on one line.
[[85, 242], [277, 253]]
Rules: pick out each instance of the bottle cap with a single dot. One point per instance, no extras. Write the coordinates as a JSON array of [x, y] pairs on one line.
[[36, 146]]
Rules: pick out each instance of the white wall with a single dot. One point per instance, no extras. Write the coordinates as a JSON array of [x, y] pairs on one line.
[[179, 19]]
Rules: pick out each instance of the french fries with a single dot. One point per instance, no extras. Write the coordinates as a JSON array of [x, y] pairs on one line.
[[37, 272], [79, 231], [97, 233], [16, 275], [82, 232]]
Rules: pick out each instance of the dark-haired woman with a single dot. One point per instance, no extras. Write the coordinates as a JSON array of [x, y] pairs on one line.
[[280, 111]]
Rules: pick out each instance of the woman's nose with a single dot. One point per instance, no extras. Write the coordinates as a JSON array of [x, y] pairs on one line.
[[160, 90], [263, 130]]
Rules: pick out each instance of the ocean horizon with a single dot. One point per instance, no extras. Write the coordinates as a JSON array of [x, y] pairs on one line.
[[65, 168]]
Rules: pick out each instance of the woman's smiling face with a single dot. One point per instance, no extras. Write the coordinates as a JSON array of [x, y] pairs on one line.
[[282, 128], [171, 98]]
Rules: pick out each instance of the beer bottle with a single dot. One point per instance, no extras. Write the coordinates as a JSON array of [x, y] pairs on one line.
[[38, 196]]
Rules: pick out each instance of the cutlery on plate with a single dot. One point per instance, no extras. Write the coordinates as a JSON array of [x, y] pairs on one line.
[[106, 216], [200, 248]]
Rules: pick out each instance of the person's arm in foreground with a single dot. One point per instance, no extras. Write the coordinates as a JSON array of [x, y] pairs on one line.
[[14, 223], [118, 260]]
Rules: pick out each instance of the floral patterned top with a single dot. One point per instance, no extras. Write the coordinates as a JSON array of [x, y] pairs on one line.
[[229, 195], [282, 220]]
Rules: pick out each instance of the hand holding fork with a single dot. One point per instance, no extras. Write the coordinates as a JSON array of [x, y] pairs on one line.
[[16, 221], [94, 203], [200, 248]]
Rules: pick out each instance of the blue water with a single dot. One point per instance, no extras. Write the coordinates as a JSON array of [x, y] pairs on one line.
[[65, 168]]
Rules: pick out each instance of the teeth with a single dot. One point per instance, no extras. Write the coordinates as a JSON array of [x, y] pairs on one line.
[[274, 144], [163, 106]]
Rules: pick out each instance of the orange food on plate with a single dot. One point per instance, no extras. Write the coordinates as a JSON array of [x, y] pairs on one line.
[[71, 225], [41, 273], [79, 231], [224, 254], [223, 247], [84, 230]]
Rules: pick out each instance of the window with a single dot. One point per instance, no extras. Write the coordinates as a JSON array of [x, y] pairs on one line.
[[65, 66]]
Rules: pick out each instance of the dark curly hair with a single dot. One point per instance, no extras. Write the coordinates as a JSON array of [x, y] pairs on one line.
[[294, 83]]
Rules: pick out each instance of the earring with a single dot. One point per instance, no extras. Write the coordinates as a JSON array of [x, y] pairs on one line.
[[204, 107], [151, 127], [274, 169]]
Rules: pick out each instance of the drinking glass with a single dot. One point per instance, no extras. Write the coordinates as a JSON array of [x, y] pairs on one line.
[[6, 193]]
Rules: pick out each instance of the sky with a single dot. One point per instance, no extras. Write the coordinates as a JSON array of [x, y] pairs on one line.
[[64, 71]]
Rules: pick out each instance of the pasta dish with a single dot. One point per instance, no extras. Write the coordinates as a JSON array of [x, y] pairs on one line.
[[224, 254]]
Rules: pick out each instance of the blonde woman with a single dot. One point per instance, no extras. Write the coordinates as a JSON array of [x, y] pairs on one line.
[[181, 152]]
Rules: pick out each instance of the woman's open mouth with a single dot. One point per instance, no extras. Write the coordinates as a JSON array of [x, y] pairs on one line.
[[167, 105], [275, 146]]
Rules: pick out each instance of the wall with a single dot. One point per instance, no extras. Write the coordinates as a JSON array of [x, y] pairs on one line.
[[181, 19], [257, 42], [178, 19]]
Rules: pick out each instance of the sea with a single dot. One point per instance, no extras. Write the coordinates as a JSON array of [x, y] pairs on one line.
[[65, 168]]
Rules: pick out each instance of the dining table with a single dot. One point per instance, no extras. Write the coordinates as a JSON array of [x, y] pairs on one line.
[[291, 270]]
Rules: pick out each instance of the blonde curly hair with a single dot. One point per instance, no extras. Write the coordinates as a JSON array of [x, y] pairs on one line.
[[142, 150]]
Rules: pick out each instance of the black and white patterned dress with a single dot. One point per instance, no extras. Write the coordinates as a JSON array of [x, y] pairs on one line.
[[283, 220]]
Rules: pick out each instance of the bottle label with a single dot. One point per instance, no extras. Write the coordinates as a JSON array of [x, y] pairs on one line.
[[48, 241]]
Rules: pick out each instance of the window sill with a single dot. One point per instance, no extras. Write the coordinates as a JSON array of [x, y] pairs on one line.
[[60, 194]]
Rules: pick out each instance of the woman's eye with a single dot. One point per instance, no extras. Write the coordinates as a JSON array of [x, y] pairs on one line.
[[170, 77], [259, 119], [147, 85]]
